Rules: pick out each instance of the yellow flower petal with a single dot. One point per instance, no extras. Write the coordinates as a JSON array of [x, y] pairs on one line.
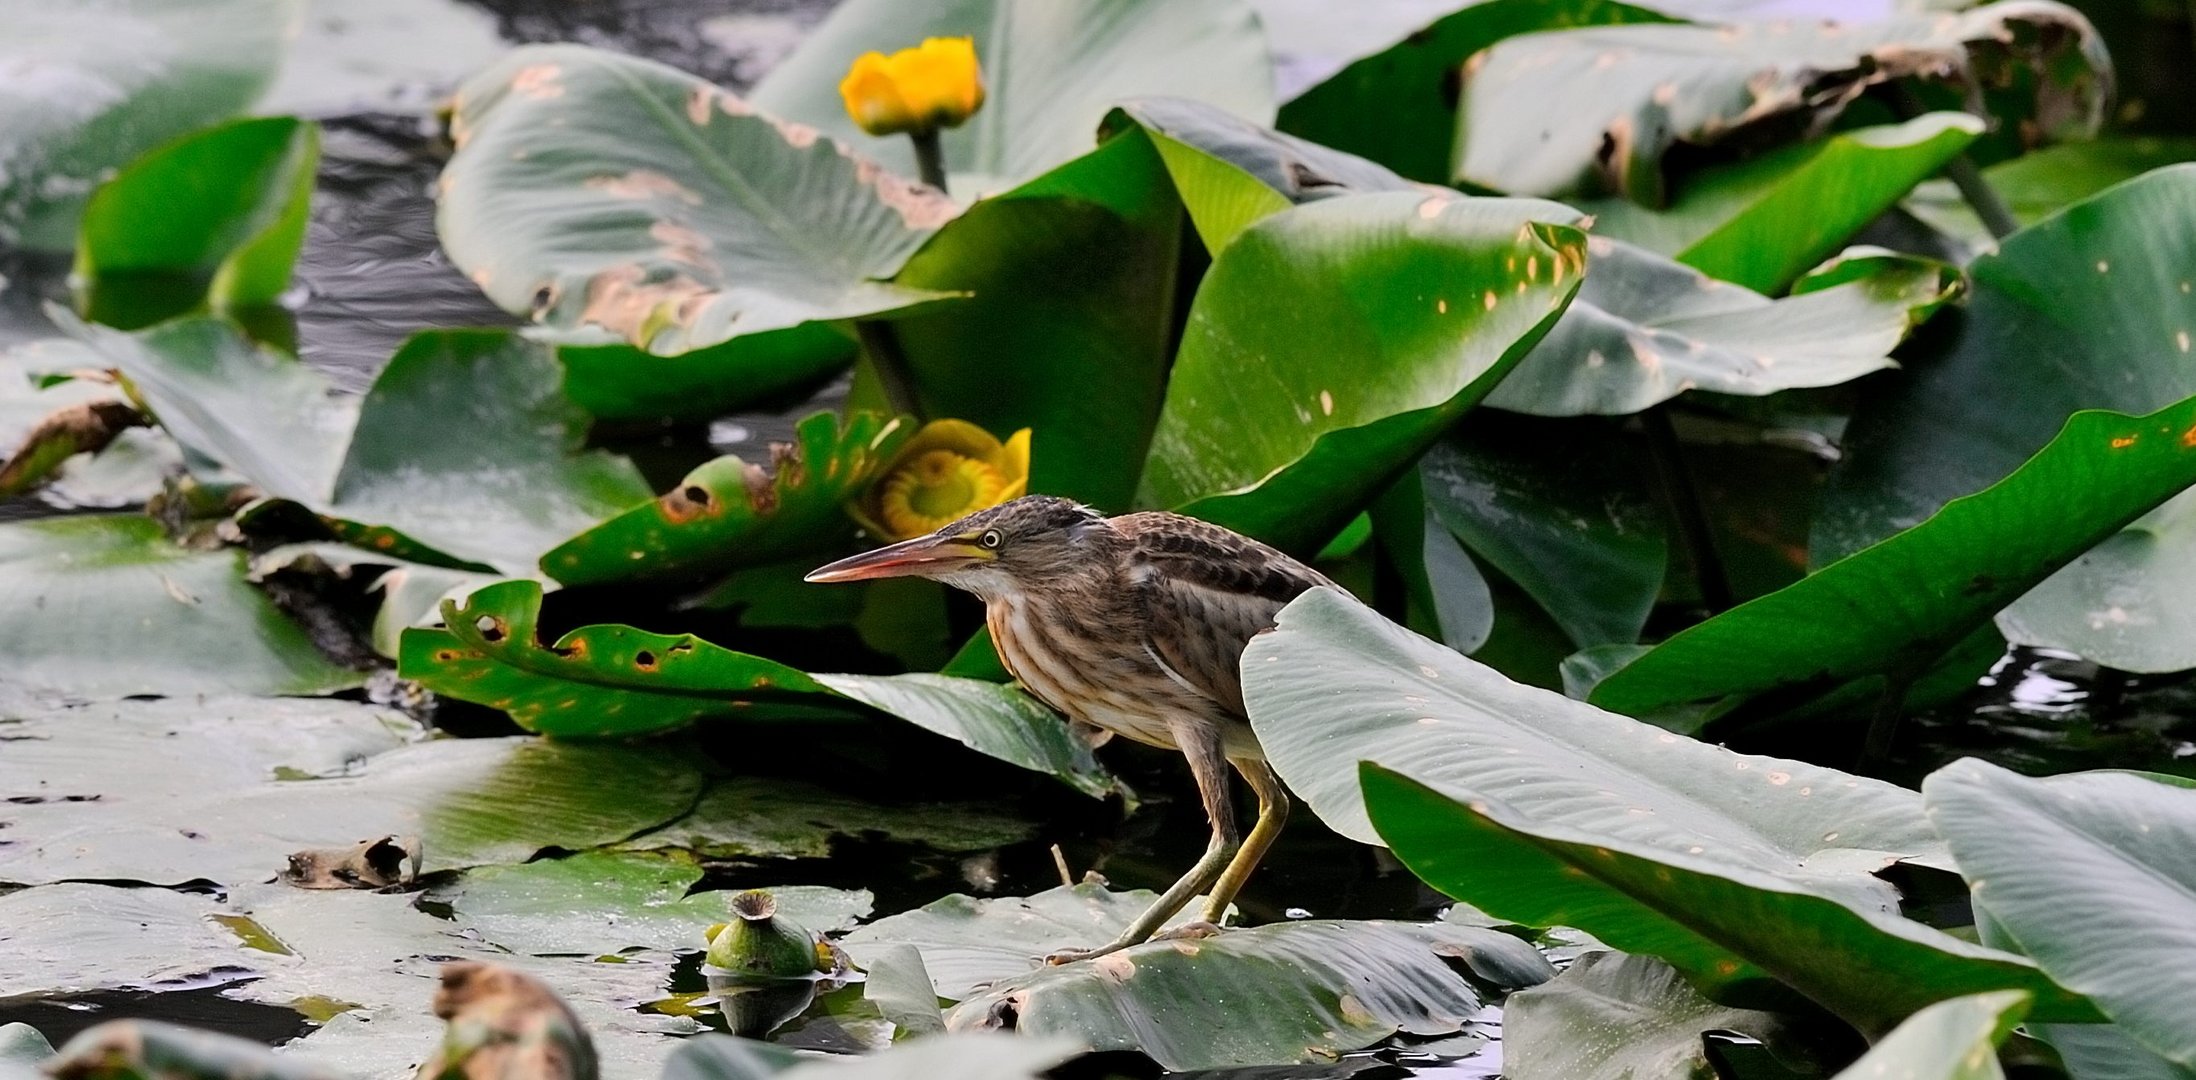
[[936, 84], [947, 471]]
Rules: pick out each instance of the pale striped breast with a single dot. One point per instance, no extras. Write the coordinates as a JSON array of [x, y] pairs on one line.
[[1105, 680]]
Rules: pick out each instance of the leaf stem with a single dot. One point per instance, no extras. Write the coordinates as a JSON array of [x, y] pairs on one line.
[[1685, 505], [929, 159], [882, 346], [1988, 205], [1883, 728]]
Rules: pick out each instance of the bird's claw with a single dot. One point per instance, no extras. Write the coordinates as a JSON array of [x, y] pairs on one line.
[[1068, 956], [1189, 931]]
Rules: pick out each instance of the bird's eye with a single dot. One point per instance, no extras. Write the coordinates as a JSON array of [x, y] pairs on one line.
[[991, 538]]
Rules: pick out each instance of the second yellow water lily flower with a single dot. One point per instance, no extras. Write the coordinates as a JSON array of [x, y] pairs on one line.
[[947, 471], [937, 84]]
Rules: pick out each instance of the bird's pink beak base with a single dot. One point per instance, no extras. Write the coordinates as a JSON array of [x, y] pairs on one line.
[[920, 557]]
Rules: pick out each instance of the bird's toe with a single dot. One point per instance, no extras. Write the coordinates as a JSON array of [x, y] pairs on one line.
[[1189, 931]]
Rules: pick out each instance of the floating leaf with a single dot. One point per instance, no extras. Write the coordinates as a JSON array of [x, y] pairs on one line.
[[2115, 847], [1399, 106], [969, 943], [214, 219], [463, 453], [1051, 70], [1762, 222], [769, 817], [1602, 110], [75, 938], [731, 513], [1545, 811], [1319, 361], [963, 1057], [91, 87], [114, 585], [1610, 1014], [618, 681], [598, 902], [2090, 309], [221, 789], [1295, 992], [614, 380], [595, 189]]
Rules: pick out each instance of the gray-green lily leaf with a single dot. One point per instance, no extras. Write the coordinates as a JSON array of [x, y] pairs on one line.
[[1600, 110], [596, 189]]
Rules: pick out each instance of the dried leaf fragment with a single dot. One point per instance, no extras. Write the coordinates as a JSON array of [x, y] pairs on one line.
[[382, 863]]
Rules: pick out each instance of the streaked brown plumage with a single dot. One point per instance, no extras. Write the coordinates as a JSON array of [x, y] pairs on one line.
[[1134, 624]]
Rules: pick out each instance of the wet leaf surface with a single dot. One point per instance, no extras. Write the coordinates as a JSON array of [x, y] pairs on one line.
[[185, 619], [1601, 110], [1610, 1014], [1287, 992], [1546, 811], [1358, 365], [1643, 330], [1051, 73], [212, 220], [620, 681], [219, 790], [601, 902], [2114, 846], [96, 86], [2091, 307], [76, 937], [776, 818], [732, 513], [595, 189]]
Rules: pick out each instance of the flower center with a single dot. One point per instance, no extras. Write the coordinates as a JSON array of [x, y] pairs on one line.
[[937, 488]]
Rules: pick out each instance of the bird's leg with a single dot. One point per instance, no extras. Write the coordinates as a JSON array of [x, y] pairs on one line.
[[1201, 744], [1273, 813]]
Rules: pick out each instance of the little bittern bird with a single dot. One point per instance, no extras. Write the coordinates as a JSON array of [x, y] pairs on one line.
[[1134, 624]]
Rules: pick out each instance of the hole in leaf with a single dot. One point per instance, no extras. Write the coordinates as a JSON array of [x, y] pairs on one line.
[[696, 494], [645, 660], [491, 628]]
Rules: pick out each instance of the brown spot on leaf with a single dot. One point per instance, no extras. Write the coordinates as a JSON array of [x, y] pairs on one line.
[[682, 244], [920, 206], [643, 184], [762, 493], [537, 81], [698, 103], [624, 301], [645, 660]]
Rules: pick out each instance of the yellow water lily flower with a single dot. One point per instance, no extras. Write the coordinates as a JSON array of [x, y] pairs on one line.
[[947, 471], [935, 85]]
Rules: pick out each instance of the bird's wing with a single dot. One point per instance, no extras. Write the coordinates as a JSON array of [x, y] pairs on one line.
[[1205, 592]]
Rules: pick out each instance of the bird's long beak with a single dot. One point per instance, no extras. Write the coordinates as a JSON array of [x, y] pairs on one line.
[[921, 557]]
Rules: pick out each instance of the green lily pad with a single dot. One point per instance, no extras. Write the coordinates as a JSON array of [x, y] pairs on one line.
[[2090, 309], [1294, 992], [1069, 327], [1318, 361], [223, 789], [595, 189], [1736, 869], [93, 86], [614, 380], [751, 817], [213, 219], [1951, 1040], [618, 681], [114, 585], [1051, 73], [1762, 222], [2114, 846], [731, 513], [1643, 330], [598, 902], [1894, 608], [1612, 1014], [1561, 508], [1600, 110], [463, 453], [1399, 106]]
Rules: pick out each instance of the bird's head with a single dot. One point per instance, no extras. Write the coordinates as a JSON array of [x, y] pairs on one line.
[[1007, 547]]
